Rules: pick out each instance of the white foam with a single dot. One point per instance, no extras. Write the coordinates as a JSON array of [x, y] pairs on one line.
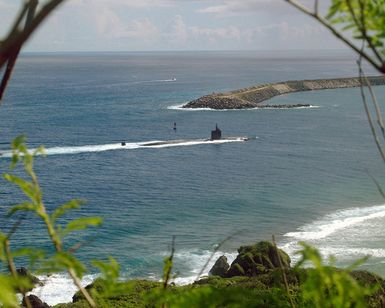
[[180, 107], [59, 288], [127, 146], [195, 260], [81, 149], [346, 234], [337, 221], [343, 253], [353, 252], [288, 108]]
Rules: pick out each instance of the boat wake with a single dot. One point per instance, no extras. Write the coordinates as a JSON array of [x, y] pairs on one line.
[[154, 81], [155, 144]]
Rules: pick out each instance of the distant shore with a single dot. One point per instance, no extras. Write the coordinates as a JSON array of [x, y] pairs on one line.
[[252, 97]]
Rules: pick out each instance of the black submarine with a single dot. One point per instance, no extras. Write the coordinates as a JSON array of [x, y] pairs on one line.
[[216, 135]]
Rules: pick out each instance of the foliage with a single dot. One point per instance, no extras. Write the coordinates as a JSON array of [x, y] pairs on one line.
[[326, 286], [57, 232], [361, 20], [365, 18], [321, 286], [131, 294], [8, 286]]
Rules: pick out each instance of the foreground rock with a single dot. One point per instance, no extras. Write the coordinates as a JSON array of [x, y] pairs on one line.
[[35, 302], [258, 259], [252, 97], [22, 271], [220, 267]]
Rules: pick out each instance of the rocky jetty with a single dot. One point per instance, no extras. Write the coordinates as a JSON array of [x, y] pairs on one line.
[[252, 97]]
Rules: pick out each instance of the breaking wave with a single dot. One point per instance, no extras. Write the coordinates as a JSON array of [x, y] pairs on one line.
[[332, 223], [346, 234], [59, 288]]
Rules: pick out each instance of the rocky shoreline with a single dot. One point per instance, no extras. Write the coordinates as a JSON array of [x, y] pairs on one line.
[[252, 97], [260, 276]]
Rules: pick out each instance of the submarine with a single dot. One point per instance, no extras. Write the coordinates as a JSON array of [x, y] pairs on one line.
[[216, 135]]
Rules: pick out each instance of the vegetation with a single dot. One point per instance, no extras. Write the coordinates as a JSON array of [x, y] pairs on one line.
[[357, 23], [319, 286]]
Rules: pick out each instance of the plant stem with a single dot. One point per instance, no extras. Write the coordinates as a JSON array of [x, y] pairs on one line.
[[12, 269], [373, 130], [283, 274]]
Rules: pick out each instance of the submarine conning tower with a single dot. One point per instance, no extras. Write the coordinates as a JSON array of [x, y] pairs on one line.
[[216, 134]]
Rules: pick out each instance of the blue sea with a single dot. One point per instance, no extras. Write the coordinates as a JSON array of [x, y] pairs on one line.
[[305, 174]]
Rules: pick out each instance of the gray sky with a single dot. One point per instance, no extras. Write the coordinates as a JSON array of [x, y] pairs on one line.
[[141, 25]]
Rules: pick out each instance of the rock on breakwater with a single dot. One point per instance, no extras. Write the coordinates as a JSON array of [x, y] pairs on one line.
[[252, 97]]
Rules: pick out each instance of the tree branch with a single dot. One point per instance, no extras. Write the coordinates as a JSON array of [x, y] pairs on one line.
[[373, 130], [361, 25], [10, 261], [30, 11], [14, 41], [379, 66]]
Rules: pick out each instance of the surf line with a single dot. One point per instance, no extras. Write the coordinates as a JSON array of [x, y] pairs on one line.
[[155, 144]]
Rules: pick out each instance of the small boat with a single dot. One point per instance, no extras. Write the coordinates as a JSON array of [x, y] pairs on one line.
[[123, 143]]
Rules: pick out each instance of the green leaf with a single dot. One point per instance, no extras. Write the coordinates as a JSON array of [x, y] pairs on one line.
[[18, 141], [15, 160], [360, 20], [28, 188], [326, 286], [8, 296], [80, 224], [3, 237], [61, 210], [40, 150], [109, 271], [34, 255], [25, 206], [63, 261], [111, 286]]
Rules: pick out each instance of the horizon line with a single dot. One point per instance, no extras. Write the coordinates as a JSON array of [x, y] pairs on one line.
[[183, 50]]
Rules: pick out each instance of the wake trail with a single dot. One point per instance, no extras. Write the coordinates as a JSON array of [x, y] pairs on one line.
[[155, 144]]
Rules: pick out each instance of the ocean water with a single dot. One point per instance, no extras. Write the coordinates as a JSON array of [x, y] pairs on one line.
[[305, 174]]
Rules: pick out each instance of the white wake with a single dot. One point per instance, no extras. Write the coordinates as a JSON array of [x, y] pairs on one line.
[[65, 150]]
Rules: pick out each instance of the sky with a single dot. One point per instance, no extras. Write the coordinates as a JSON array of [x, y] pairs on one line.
[[146, 25]]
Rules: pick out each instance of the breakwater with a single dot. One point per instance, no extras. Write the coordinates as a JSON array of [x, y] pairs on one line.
[[252, 97]]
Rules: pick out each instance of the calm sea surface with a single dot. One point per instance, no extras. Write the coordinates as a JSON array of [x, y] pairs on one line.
[[306, 175]]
